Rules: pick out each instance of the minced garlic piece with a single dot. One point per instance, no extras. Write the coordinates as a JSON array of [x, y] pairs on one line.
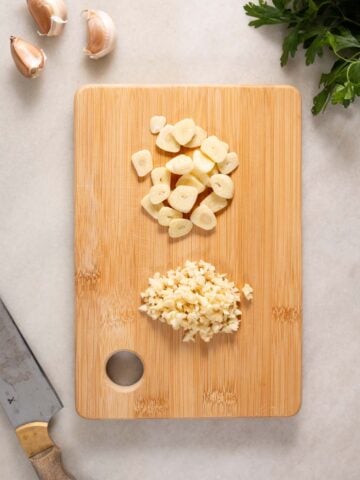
[[193, 297], [248, 291]]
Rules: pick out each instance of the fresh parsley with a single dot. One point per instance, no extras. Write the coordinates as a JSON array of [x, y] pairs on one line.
[[316, 25]]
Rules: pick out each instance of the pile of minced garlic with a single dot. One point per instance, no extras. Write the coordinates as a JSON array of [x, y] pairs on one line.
[[195, 298]]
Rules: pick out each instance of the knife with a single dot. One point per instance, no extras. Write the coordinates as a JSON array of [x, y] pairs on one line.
[[29, 400]]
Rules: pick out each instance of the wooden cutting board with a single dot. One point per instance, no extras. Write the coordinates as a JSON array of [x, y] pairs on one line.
[[255, 372]]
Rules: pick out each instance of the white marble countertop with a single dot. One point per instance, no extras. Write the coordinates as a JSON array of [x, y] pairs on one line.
[[178, 42]]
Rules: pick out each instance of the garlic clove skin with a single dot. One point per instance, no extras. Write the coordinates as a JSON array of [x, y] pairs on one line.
[[56, 27], [29, 59], [49, 15], [101, 34]]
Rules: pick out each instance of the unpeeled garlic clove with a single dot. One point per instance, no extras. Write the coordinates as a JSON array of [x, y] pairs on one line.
[[29, 59], [49, 15], [101, 34]]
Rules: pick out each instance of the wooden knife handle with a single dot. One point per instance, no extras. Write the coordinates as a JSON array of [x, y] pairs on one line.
[[48, 465], [44, 455]]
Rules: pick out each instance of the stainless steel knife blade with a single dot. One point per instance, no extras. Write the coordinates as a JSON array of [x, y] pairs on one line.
[[29, 400], [26, 394]]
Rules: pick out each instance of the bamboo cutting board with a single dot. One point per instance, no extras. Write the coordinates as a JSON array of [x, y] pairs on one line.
[[254, 372]]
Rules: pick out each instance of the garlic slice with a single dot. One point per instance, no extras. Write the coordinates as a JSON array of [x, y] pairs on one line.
[[101, 33], [179, 227], [191, 181], [165, 140], [214, 148], [230, 163], [158, 193], [203, 217], [184, 131], [150, 208], [160, 175], [142, 162], [202, 162], [49, 15], [180, 165], [29, 59], [198, 138], [214, 202], [157, 122], [222, 185], [203, 177], [166, 214], [183, 198]]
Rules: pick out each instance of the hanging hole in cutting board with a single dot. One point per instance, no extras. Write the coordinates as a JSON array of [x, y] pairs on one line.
[[125, 369]]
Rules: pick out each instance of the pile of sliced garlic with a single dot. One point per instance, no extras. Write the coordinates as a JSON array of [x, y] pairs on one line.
[[195, 298], [207, 167]]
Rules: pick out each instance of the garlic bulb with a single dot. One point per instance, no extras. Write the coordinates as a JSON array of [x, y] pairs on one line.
[[50, 16], [30, 60], [101, 34]]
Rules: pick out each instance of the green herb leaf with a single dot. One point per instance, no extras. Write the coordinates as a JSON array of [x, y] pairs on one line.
[[266, 14], [320, 101], [312, 8], [338, 95], [290, 46], [353, 73], [317, 25], [314, 49], [341, 42]]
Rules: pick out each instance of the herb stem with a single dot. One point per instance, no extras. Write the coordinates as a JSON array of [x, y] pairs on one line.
[[316, 25]]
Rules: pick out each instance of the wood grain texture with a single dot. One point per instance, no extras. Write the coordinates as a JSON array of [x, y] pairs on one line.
[[48, 465], [255, 372]]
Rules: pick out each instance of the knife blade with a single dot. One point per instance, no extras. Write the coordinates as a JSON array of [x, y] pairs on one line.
[[29, 400]]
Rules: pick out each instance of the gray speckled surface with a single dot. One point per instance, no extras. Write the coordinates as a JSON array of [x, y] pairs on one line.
[[178, 42]]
